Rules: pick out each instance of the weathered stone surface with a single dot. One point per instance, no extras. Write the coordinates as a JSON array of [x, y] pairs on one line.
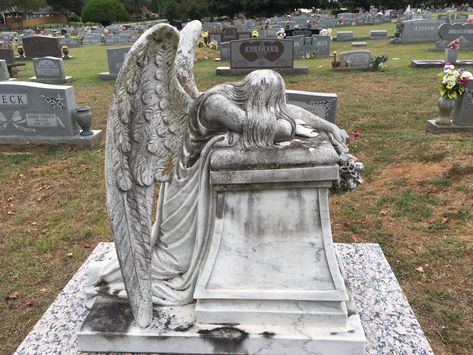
[[323, 105], [4, 75]]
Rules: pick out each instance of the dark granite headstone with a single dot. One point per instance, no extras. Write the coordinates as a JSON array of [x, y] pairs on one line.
[[41, 46], [215, 36], [229, 34], [261, 53], [7, 55], [463, 115], [320, 104], [450, 31]]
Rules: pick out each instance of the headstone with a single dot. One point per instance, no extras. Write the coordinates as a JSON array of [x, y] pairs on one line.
[[321, 45], [229, 34], [115, 58], [49, 70], [443, 17], [216, 37], [359, 59], [360, 21], [378, 34], [41, 46], [461, 16], [261, 54], [463, 115], [452, 31], [35, 113], [344, 36], [91, 38], [247, 55], [415, 31], [7, 55], [243, 35], [225, 51], [116, 39], [72, 42], [323, 105], [359, 44], [302, 32], [4, 74]]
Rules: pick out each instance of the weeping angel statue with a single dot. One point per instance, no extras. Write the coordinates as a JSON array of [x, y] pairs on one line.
[[162, 129]]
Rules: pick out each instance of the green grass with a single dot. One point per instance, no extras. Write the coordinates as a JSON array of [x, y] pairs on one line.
[[416, 201]]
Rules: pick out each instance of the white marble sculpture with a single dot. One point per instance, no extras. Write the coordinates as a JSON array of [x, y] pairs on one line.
[[162, 129]]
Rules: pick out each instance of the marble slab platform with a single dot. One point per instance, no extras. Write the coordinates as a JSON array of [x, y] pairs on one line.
[[433, 127], [419, 63], [244, 71], [388, 321], [77, 140]]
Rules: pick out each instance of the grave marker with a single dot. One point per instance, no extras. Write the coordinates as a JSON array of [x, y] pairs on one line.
[[4, 74], [41, 46], [49, 70], [359, 59], [35, 113], [321, 104], [115, 58]]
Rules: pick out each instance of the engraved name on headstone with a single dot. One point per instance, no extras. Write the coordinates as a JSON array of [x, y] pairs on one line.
[[420, 31], [261, 54], [34, 109]]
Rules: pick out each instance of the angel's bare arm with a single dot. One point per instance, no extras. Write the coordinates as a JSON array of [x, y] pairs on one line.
[[218, 110], [316, 122]]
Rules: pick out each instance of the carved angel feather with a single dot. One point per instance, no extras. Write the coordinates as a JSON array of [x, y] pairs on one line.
[[148, 118]]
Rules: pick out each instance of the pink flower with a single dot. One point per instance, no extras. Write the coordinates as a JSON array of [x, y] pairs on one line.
[[356, 133], [454, 44]]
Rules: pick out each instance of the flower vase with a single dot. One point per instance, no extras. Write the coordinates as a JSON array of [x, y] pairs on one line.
[[83, 118], [451, 55], [445, 106]]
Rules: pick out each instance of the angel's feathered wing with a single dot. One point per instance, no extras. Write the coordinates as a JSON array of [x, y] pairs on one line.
[[147, 119]]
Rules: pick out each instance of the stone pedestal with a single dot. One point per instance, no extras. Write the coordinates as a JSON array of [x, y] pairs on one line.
[[271, 260]]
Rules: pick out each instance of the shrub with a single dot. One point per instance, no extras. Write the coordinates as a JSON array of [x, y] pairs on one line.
[[104, 11]]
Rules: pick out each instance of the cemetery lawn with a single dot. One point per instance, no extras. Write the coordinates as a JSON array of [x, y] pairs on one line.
[[416, 201]]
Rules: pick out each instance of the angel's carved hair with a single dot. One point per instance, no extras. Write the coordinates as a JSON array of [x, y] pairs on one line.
[[261, 94]]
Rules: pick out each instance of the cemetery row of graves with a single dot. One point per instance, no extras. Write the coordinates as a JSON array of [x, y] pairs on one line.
[[416, 200]]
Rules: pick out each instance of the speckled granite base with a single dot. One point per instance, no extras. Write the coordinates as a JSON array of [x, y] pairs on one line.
[[388, 321]]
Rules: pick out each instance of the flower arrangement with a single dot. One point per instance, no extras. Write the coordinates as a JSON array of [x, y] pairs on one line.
[[454, 44], [213, 44], [453, 81]]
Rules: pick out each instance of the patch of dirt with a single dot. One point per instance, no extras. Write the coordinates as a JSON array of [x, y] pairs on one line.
[[206, 54]]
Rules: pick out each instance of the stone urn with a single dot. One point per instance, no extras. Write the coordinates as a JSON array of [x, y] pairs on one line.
[[451, 55], [83, 118], [65, 51], [445, 106]]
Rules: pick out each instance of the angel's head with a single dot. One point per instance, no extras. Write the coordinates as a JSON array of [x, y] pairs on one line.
[[261, 94]]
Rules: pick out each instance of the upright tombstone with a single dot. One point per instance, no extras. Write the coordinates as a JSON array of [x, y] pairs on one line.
[[225, 51], [4, 74], [229, 34], [42, 46], [452, 31], [323, 105], [71, 42], [117, 39], [8, 55], [91, 38], [34, 113], [463, 114], [359, 59], [115, 59], [49, 70], [416, 31], [248, 55], [344, 36]]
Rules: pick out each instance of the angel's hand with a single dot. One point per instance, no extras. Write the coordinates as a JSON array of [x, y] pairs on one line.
[[305, 131], [339, 139]]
